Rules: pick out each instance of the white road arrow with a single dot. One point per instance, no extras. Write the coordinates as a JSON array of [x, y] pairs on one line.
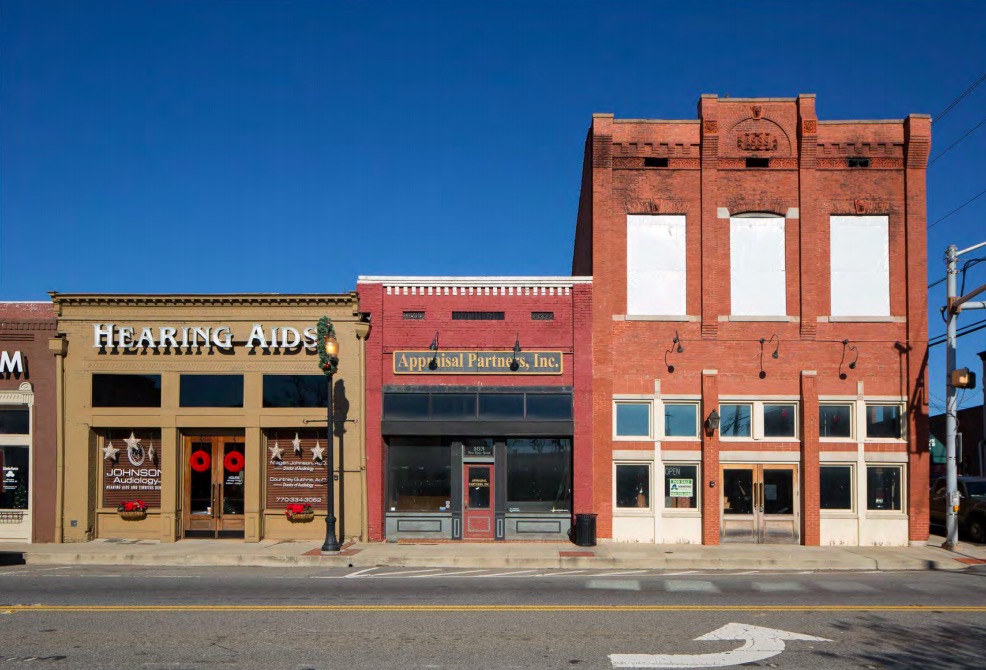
[[759, 643]]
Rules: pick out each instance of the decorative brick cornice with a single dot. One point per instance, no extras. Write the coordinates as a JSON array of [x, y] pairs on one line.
[[478, 286], [201, 300]]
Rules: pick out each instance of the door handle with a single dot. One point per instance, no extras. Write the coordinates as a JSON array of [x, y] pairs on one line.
[[215, 500]]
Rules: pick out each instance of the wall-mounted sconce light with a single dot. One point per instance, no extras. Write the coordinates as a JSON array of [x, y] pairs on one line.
[[514, 364], [712, 423], [676, 347], [433, 347], [775, 354], [848, 348]]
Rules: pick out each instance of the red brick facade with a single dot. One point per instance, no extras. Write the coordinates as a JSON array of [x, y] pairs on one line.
[[707, 179], [385, 300]]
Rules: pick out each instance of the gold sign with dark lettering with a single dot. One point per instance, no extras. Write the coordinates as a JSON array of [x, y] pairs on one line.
[[477, 363]]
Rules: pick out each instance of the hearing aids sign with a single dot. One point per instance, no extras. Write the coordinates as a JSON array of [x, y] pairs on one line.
[[111, 336]]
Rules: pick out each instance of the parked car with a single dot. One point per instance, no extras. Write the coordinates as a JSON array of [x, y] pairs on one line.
[[972, 506]]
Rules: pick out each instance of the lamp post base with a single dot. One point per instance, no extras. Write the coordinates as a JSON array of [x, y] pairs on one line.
[[331, 544]]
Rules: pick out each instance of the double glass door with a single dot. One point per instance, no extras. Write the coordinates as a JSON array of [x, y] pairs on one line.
[[760, 504], [213, 498]]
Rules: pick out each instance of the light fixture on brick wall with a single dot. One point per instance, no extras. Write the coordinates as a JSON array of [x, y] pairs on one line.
[[712, 423], [514, 364], [774, 355], [433, 348], [848, 348]]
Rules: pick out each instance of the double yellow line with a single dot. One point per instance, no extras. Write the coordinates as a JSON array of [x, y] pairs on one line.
[[10, 609]]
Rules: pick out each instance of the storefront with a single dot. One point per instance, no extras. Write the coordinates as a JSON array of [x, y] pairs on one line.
[[27, 422], [206, 416], [477, 407]]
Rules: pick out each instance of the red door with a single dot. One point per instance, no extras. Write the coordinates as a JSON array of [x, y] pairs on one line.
[[478, 502]]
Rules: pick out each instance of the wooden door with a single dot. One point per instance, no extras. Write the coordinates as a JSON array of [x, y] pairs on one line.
[[213, 491]]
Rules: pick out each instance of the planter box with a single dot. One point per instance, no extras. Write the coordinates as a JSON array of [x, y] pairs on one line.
[[133, 515]]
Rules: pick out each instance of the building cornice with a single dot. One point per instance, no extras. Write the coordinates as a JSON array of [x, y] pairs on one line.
[[200, 300], [506, 286]]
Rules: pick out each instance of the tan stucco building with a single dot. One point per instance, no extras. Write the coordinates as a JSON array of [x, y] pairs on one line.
[[209, 409]]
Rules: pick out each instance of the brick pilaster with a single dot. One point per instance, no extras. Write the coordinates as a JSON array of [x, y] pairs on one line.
[[711, 508], [810, 447]]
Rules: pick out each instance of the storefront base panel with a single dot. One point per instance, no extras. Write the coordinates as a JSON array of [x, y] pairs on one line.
[[109, 526], [633, 529], [681, 530], [884, 532], [535, 527], [15, 526], [419, 527], [839, 531], [277, 527]]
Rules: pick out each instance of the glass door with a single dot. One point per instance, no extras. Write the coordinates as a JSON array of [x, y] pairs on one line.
[[214, 478], [477, 503], [760, 504]]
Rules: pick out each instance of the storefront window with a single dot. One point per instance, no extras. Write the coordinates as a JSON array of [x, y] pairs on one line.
[[734, 420], [126, 390], [453, 405], [211, 391], [295, 391], [413, 406], [835, 420], [883, 487], [835, 487], [539, 475], [680, 486], [14, 477], [15, 421], [549, 406], [633, 486], [419, 476], [633, 419], [883, 421], [501, 405], [778, 420], [680, 419]]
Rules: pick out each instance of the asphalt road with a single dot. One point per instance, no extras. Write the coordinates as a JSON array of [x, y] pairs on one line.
[[184, 619]]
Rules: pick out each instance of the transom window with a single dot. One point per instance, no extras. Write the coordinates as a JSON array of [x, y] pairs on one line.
[[680, 419], [758, 420], [884, 421], [633, 419], [835, 420]]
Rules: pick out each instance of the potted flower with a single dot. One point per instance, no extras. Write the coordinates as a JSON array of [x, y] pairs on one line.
[[132, 510], [297, 512]]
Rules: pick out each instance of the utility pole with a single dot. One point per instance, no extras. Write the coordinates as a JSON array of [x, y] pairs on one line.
[[981, 456], [954, 305]]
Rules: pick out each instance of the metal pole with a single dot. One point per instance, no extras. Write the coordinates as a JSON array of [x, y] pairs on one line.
[[331, 544], [982, 444], [951, 406]]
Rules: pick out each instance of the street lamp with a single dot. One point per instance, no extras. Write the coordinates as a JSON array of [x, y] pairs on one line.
[[328, 361]]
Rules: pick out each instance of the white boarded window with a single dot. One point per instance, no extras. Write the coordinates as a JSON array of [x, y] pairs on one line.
[[655, 264], [757, 266], [860, 260]]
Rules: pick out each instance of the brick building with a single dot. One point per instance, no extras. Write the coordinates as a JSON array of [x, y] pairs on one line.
[[478, 415], [759, 325]]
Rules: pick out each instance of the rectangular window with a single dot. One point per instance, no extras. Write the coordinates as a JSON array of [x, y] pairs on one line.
[[413, 315], [656, 261], [211, 391], [633, 486], [406, 406], [453, 405], [557, 406], [419, 476], [477, 316], [835, 487], [779, 420], [539, 475], [501, 405], [15, 421], [126, 390], [542, 316], [680, 486], [860, 265], [835, 420], [680, 419], [884, 486], [883, 422], [633, 419], [735, 420], [757, 266], [16, 478], [296, 391]]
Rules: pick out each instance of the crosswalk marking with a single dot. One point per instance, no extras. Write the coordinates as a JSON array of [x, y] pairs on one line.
[[847, 587], [690, 585], [774, 587]]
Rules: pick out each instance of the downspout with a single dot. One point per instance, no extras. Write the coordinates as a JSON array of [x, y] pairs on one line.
[[59, 347]]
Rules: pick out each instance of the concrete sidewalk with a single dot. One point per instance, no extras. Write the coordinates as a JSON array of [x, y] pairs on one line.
[[544, 555]]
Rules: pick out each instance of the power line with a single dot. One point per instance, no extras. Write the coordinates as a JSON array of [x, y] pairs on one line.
[[952, 146], [973, 198], [965, 330], [959, 99]]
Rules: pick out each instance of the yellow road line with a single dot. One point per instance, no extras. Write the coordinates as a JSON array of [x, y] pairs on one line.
[[492, 608]]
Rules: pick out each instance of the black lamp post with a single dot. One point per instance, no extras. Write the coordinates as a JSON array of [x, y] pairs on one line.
[[328, 359]]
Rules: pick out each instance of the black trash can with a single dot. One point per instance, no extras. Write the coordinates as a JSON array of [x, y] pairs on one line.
[[585, 530]]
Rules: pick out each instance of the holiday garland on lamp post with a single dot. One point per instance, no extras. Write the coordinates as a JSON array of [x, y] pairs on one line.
[[328, 363]]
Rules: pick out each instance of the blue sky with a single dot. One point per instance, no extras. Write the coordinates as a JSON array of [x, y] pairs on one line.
[[290, 146]]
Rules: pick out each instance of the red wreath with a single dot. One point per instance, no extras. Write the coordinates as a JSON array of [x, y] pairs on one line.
[[233, 461], [200, 460]]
